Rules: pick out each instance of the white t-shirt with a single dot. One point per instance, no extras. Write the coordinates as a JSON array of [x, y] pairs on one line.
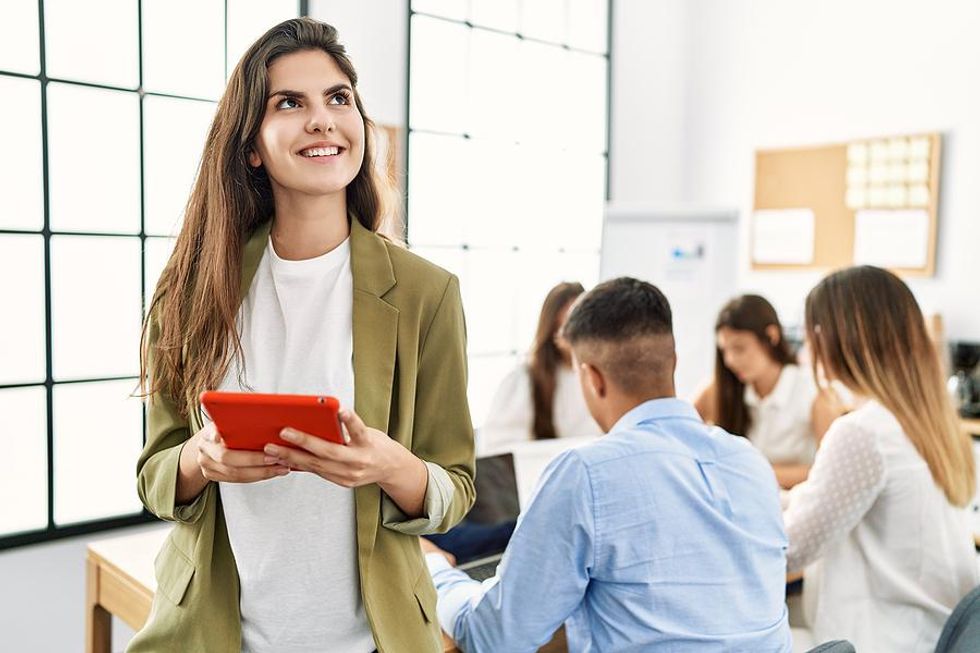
[[781, 426], [888, 556], [294, 537], [511, 416]]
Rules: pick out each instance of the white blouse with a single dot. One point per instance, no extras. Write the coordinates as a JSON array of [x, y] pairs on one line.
[[781, 426], [886, 556], [511, 416]]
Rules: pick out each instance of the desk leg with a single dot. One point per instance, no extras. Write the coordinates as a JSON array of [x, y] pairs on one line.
[[98, 622]]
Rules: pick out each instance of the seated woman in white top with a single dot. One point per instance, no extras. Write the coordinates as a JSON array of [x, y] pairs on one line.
[[759, 392], [880, 524], [541, 398]]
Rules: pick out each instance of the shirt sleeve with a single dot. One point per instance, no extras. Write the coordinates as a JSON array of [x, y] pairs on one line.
[[552, 547], [847, 476], [438, 495]]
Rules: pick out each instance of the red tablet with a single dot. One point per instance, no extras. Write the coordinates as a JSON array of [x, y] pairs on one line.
[[249, 420]]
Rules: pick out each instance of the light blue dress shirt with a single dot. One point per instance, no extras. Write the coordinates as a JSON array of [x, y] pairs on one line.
[[666, 534]]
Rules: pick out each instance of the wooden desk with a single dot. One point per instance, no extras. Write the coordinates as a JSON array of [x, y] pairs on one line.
[[119, 580]]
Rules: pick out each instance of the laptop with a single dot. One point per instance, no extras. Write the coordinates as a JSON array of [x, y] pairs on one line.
[[479, 540]]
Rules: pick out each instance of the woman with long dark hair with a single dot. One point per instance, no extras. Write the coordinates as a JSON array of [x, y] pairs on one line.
[[283, 281], [881, 525], [541, 399], [759, 392]]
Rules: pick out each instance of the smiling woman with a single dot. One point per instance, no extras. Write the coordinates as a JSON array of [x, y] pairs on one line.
[[282, 281]]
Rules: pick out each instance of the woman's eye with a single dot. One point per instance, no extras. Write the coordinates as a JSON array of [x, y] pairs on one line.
[[287, 103], [340, 98]]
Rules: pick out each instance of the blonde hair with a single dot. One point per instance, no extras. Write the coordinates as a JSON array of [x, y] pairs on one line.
[[866, 329]]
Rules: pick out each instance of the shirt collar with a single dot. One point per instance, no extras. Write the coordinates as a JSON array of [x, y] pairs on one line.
[[780, 395], [667, 408]]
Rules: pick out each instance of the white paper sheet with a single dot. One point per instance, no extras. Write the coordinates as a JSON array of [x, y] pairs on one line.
[[893, 239], [782, 236]]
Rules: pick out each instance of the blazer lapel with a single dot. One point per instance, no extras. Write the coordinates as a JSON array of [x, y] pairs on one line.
[[375, 327]]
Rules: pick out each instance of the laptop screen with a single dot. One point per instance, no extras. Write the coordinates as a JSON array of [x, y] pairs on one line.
[[487, 527]]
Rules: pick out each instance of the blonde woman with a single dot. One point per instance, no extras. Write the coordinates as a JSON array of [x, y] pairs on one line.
[[880, 524]]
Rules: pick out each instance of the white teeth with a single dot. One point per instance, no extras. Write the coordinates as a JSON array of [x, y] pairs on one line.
[[321, 151]]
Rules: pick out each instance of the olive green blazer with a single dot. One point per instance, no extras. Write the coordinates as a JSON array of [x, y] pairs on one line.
[[409, 382]]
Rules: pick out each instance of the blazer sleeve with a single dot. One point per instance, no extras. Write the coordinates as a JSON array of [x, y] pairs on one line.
[[157, 468], [442, 433]]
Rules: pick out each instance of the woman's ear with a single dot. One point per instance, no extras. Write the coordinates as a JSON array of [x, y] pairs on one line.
[[773, 334], [254, 159]]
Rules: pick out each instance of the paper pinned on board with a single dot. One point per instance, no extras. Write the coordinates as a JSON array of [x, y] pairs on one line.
[[782, 236], [892, 239]]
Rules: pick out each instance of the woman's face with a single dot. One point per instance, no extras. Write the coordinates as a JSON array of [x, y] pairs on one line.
[[743, 353], [311, 140]]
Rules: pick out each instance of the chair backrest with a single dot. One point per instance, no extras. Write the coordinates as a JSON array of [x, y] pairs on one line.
[[962, 630], [836, 646]]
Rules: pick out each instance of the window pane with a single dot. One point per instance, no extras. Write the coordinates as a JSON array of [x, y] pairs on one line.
[[498, 14], [157, 252], [588, 22], [543, 90], [22, 339], [95, 305], [174, 132], [454, 9], [25, 444], [494, 108], [97, 440], [485, 375], [489, 287], [489, 208], [249, 19], [545, 19], [19, 37], [93, 159], [438, 70], [437, 188], [70, 51], [20, 167], [192, 63], [585, 89]]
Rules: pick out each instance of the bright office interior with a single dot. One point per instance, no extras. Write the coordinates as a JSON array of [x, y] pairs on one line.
[[511, 150]]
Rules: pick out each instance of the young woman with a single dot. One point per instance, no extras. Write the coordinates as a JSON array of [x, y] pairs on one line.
[[541, 399], [281, 282], [759, 392], [882, 516]]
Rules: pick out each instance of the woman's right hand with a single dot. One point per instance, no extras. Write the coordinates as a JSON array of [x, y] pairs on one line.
[[205, 458], [219, 463]]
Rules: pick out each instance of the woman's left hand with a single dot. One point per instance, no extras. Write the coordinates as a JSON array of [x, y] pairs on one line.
[[369, 457]]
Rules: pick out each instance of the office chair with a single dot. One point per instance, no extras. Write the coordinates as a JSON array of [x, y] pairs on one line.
[[962, 630], [836, 646]]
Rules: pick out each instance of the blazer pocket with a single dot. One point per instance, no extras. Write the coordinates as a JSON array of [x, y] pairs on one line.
[[174, 571], [425, 594]]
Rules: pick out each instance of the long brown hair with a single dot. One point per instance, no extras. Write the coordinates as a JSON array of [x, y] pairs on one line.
[[546, 357], [192, 316], [866, 329], [754, 314]]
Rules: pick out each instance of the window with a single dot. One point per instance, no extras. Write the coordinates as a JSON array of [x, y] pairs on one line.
[[507, 160], [101, 146]]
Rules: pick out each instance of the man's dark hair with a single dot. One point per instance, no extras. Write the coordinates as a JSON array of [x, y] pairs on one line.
[[624, 327]]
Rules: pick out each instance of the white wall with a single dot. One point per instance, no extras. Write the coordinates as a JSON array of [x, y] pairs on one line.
[[772, 73]]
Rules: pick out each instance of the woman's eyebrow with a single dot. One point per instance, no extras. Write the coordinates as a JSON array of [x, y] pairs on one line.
[[300, 94]]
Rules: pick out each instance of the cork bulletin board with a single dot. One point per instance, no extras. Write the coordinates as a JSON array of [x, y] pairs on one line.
[[871, 201]]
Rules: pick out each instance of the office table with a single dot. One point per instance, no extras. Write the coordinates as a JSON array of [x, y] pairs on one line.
[[119, 581]]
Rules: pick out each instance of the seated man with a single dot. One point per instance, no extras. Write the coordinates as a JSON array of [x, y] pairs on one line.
[[664, 533]]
